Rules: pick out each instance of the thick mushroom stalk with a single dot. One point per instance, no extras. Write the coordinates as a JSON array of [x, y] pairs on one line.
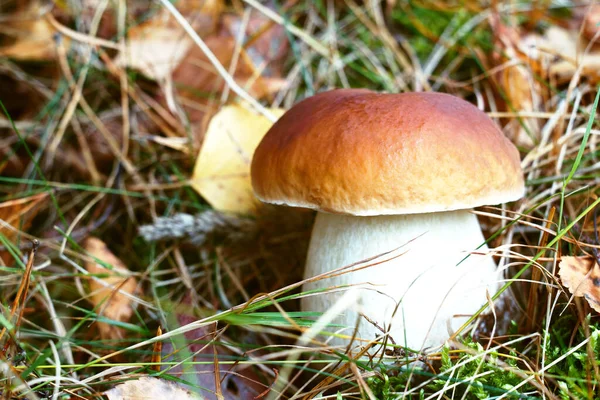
[[421, 296]]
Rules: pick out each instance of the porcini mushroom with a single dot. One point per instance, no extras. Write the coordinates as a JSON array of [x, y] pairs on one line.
[[391, 170]]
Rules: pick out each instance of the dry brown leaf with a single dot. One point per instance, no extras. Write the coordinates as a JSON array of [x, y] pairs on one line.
[[34, 41], [18, 213], [149, 388], [199, 84], [265, 41], [86, 10], [210, 10], [581, 275], [222, 171], [591, 21], [198, 74], [256, 67], [108, 300], [562, 51], [239, 382], [157, 47], [517, 81]]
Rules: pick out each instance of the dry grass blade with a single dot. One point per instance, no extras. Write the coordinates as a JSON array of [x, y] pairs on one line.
[[19, 301], [157, 352]]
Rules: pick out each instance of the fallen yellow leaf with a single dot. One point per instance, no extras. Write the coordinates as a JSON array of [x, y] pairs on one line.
[[222, 171], [109, 301]]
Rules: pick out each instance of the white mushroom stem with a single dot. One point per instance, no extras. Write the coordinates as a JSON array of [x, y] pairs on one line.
[[436, 292]]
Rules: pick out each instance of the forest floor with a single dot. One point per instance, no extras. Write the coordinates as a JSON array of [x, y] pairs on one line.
[[135, 260]]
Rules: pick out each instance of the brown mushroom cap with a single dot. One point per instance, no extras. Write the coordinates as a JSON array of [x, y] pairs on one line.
[[364, 153]]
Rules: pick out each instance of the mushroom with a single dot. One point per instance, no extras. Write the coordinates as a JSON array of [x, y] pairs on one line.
[[389, 171]]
